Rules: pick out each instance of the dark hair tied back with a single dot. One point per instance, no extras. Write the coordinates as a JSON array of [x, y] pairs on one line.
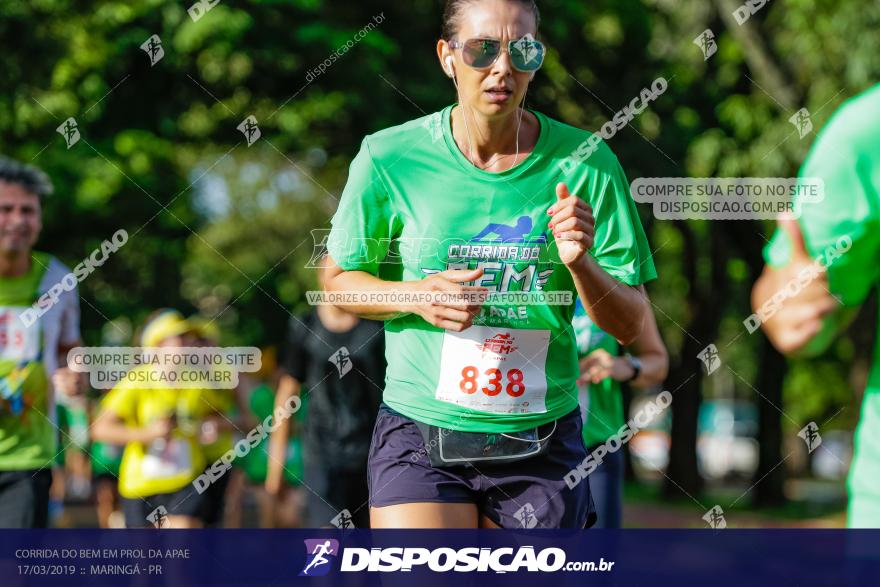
[[453, 10]]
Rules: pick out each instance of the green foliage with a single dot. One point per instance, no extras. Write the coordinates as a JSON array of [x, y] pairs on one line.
[[160, 143]]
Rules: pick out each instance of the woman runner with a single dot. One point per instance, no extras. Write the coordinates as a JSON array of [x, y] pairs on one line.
[[480, 421]]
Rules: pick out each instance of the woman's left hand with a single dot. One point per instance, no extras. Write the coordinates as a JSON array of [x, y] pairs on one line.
[[572, 224], [600, 364]]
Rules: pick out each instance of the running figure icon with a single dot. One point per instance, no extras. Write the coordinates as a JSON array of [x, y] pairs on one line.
[[508, 234], [318, 556]]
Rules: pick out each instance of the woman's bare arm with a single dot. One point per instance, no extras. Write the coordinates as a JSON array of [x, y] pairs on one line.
[[390, 299], [287, 388], [109, 427], [651, 351]]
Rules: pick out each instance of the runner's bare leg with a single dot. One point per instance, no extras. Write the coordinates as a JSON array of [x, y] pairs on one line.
[[425, 515]]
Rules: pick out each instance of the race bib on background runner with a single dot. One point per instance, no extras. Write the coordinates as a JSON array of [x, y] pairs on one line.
[[498, 370], [18, 342], [164, 459]]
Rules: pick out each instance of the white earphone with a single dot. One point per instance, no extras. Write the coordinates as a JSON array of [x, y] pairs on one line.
[[450, 67]]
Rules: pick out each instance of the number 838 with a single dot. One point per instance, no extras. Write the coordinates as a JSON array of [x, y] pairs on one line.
[[514, 387]]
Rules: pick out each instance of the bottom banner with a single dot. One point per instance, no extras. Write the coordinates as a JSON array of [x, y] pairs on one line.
[[435, 557]]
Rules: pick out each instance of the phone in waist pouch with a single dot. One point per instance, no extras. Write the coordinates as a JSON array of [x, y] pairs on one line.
[[450, 448]]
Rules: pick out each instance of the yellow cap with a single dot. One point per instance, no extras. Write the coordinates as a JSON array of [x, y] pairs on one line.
[[165, 325]]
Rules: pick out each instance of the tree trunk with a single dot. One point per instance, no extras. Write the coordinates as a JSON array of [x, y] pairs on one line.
[[686, 375], [682, 473], [769, 479], [769, 70]]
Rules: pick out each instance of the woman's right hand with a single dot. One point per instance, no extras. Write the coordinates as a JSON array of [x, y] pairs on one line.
[[156, 429], [450, 314]]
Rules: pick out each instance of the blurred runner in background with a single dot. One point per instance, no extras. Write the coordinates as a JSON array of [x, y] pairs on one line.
[[106, 459], [160, 427], [339, 360], [218, 431], [71, 475], [836, 244], [285, 508], [30, 351], [599, 395]]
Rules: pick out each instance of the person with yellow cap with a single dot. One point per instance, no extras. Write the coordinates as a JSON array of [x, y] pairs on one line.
[[159, 424]]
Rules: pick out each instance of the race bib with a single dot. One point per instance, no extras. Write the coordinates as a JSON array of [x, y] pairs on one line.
[[499, 370], [165, 459], [18, 342]]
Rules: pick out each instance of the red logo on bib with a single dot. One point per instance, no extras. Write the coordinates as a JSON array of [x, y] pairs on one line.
[[500, 344]]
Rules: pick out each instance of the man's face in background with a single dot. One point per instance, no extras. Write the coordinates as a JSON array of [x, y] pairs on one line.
[[21, 219]]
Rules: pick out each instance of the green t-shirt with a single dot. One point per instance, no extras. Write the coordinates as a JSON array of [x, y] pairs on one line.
[[846, 155], [256, 462], [601, 403], [106, 458], [27, 435], [414, 205], [73, 430]]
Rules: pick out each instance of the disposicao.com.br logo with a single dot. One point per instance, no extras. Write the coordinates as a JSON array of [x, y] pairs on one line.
[[440, 560], [318, 556]]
